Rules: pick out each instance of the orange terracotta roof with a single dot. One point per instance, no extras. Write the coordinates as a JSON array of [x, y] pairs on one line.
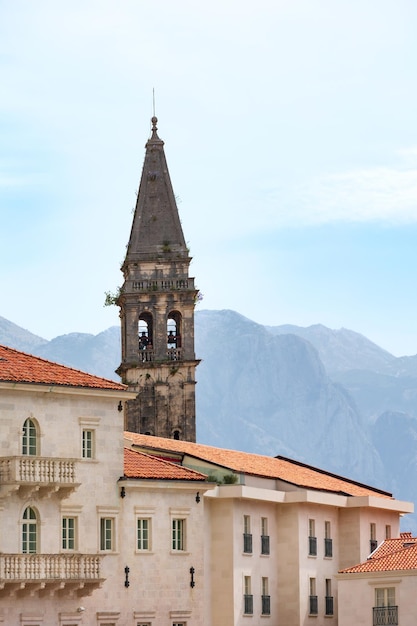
[[141, 465], [19, 367], [391, 555], [258, 465]]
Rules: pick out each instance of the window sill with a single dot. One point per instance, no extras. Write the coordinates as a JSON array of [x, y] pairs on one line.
[[180, 552]]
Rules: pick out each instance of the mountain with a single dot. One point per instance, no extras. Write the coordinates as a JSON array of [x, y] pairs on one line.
[[330, 398]]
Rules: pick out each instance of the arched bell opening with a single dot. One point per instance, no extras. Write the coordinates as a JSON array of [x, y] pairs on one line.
[[174, 322], [145, 336]]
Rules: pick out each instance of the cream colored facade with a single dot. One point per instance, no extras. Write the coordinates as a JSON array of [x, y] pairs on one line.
[[246, 552], [358, 595], [86, 582]]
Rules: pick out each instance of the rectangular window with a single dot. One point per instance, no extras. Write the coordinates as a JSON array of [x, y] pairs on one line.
[[328, 543], [88, 444], [312, 539], [373, 542], [387, 531], [385, 611], [266, 599], [143, 536], [68, 533], [313, 601], [329, 597], [178, 534], [247, 535], [247, 596], [106, 533], [264, 536]]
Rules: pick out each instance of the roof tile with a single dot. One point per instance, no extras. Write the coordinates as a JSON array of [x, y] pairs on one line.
[[141, 465], [257, 465], [391, 555], [19, 367]]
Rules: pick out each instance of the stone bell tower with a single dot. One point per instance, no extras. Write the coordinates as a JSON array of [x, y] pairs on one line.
[[157, 303]]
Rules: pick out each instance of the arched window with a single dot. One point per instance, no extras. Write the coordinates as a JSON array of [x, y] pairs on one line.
[[145, 331], [30, 438], [176, 434], [29, 531], [174, 335]]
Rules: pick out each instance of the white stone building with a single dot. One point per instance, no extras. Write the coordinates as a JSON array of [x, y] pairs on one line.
[[104, 528]]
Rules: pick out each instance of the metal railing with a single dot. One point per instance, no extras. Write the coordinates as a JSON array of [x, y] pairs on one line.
[[248, 602], [385, 615], [264, 544], [247, 543], [312, 546], [328, 547], [314, 605], [266, 605], [329, 605]]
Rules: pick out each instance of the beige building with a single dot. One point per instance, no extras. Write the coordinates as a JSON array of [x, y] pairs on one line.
[[383, 587], [277, 532]]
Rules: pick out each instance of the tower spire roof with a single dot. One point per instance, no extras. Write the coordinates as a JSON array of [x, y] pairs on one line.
[[156, 226]]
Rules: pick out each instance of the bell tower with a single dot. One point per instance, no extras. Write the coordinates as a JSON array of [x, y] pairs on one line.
[[157, 303]]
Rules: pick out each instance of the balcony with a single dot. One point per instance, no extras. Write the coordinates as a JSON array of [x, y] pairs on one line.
[[313, 605], [247, 543], [312, 546], [30, 475], [383, 615], [329, 605], [264, 544], [328, 547], [266, 605], [248, 604], [49, 573]]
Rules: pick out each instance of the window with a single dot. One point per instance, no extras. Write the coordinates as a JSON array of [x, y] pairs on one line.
[[106, 533], [266, 599], [247, 596], [29, 438], [313, 602], [88, 443], [247, 535], [312, 539], [387, 531], [143, 534], [385, 611], [178, 534], [264, 536], [179, 624], [329, 597], [29, 531], [373, 541], [69, 533], [328, 543]]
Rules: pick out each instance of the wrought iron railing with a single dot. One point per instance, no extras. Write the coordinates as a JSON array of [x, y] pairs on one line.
[[329, 605], [248, 602], [264, 544], [247, 543], [266, 605], [312, 546], [328, 547], [314, 604], [385, 615]]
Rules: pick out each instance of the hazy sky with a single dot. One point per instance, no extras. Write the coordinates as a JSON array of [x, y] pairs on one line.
[[290, 129]]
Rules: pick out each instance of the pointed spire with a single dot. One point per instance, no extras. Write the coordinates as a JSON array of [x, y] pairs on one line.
[[156, 227]]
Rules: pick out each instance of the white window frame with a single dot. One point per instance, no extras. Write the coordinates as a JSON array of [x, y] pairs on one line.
[[74, 539], [89, 426], [110, 515], [179, 516]]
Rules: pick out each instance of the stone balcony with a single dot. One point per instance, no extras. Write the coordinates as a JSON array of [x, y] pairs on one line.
[[30, 475], [49, 574]]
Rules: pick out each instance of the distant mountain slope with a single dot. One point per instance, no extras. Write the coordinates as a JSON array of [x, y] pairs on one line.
[[16, 337], [342, 349]]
